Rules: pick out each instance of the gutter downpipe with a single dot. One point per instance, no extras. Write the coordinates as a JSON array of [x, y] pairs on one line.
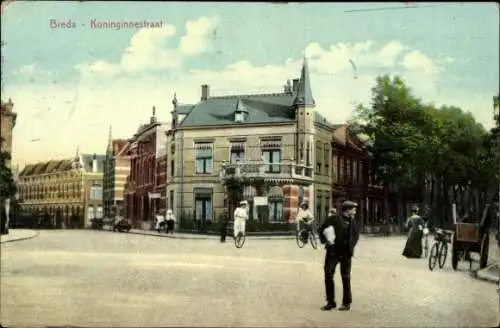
[[182, 178]]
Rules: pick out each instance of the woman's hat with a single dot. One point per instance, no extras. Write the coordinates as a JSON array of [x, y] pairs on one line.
[[243, 202]]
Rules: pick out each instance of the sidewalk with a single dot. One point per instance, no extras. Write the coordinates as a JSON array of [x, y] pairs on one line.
[[490, 273], [253, 235], [184, 235], [18, 235]]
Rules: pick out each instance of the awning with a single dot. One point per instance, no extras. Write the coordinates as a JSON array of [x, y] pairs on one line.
[[237, 145], [275, 192]]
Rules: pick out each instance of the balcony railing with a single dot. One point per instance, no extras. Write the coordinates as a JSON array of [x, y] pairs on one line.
[[265, 171]]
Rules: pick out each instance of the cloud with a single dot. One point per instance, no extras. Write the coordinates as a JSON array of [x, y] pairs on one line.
[[199, 31], [150, 50], [81, 114], [34, 74], [26, 70], [416, 61], [99, 67]]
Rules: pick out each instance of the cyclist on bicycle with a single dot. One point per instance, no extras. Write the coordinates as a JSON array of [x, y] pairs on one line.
[[240, 218], [304, 216]]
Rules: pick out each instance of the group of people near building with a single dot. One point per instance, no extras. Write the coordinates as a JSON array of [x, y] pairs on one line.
[[166, 222]]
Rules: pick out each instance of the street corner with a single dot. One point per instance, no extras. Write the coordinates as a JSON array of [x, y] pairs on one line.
[[490, 273], [18, 235]]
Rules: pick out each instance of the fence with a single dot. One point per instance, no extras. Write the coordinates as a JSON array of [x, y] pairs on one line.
[[187, 223]]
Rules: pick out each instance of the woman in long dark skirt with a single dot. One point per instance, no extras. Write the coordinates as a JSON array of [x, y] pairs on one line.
[[415, 224]]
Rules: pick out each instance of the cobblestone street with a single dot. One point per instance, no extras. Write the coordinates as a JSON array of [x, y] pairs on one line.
[[99, 278]]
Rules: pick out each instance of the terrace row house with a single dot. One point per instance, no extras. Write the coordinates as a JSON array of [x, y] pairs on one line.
[[65, 193], [145, 187], [116, 171]]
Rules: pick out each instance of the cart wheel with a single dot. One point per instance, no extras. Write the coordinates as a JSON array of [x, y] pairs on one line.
[[300, 241], [443, 253], [433, 256], [483, 261], [455, 253]]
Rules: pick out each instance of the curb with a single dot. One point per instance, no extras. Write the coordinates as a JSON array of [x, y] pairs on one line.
[[485, 276], [213, 237], [21, 238]]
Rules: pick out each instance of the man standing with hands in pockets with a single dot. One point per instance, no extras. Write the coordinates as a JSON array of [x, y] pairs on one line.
[[340, 235]]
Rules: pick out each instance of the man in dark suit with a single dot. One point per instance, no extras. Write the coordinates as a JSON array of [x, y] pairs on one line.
[[223, 226], [340, 235]]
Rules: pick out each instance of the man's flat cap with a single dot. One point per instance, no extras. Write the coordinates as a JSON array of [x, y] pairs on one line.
[[349, 204]]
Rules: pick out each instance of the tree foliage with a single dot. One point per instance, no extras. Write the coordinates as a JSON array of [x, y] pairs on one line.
[[7, 184], [443, 151]]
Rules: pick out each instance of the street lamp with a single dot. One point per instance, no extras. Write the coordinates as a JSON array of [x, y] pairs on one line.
[[496, 117]]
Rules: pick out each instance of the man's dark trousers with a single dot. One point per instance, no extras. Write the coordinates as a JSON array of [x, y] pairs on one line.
[[331, 261]]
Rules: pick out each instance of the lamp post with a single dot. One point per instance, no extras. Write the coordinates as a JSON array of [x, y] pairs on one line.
[[496, 116]]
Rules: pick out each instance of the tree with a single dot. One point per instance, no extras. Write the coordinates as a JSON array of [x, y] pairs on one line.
[[7, 184], [440, 151]]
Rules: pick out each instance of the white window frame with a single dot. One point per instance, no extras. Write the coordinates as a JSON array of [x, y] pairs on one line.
[[196, 148], [231, 151]]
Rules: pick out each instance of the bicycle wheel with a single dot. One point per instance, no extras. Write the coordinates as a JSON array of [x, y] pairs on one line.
[[312, 239], [443, 252], [433, 256], [239, 240], [300, 241], [426, 246]]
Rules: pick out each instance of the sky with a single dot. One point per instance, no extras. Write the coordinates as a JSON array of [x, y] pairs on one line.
[[69, 85]]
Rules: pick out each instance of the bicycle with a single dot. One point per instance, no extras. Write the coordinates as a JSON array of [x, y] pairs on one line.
[[439, 250], [305, 235], [239, 240]]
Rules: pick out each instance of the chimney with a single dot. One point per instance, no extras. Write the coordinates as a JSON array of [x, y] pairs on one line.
[[205, 92], [295, 85], [94, 163]]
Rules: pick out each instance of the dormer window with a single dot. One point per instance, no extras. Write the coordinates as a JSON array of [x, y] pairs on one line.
[[238, 117], [241, 113]]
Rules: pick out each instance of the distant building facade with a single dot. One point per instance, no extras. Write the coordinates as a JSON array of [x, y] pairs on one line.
[[263, 148], [8, 121], [64, 193], [142, 196], [116, 172]]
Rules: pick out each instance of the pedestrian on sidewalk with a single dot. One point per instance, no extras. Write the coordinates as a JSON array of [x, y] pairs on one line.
[[415, 224], [224, 225], [240, 218], [170, 221], [160, 221], [340, 235]]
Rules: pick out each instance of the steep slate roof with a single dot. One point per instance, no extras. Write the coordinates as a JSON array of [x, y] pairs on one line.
[[124, 150], [304, 94], [118, 145], [343, 137], [47, 167], [87, 162], [264, 108], [184, 109], [318, 118]]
